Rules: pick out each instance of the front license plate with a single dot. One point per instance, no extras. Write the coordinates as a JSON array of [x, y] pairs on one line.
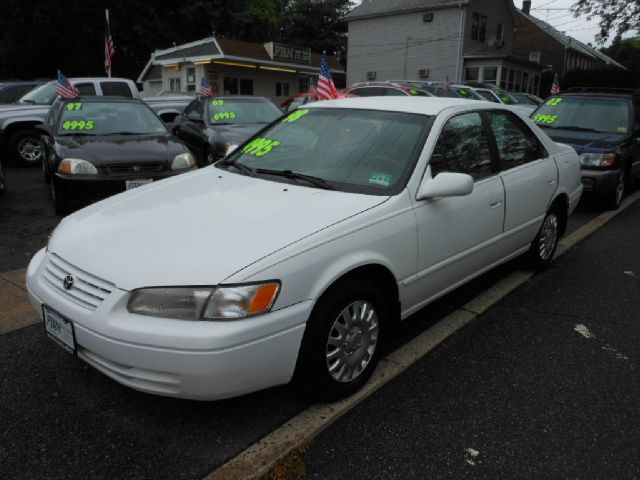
[[131, 184], [59, 329]]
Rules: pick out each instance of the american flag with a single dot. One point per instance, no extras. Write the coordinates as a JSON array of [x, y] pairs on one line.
[[109, 47], [326, 90], [312, 87], [206, 90], [65, 88], [555, 88]]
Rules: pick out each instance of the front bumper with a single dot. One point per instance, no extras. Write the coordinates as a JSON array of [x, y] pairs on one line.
[[85, 189], [600, 181], [196, 360]]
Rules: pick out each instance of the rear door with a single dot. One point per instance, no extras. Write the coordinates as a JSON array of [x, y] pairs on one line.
[[529, 175]]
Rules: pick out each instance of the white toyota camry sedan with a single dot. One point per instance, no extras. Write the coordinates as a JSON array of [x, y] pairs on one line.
[[293, 256]]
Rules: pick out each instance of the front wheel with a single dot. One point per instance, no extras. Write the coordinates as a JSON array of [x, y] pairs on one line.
[[342, 341], [26, 147], [615, 199], [544, 245]]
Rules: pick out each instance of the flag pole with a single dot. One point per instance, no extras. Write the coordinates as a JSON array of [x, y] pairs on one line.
[[106, 48]]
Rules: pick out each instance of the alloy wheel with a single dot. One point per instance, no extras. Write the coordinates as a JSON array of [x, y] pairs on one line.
[[29, 149], [352, 341], [548, 236]]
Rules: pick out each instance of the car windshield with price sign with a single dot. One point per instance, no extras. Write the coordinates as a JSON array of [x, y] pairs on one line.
[[98, 146]]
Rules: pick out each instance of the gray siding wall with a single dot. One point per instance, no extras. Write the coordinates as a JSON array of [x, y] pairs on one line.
[[496, 11], [380, 45]]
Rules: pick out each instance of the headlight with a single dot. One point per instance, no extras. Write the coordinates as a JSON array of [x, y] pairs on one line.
[[76, 166], [182, 161], [205, 303], [597, 159], [230, 147]]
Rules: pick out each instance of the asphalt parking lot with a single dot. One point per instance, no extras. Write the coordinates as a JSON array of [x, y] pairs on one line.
[[65, 420]]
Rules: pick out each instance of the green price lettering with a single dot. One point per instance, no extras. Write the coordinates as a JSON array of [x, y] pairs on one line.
[[224, 116], [74, 106], [260, 147], [553, 102], [78, 125], [217, 103], [545, 119], [295, 116], [464, 93]]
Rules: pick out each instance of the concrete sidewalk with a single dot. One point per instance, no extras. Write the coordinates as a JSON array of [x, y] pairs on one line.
[[543, 385]]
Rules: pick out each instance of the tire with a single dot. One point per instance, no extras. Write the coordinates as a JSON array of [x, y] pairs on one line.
[[339, 352], [544, 245], [3, 182], [614, 199], [25, 148], [61, 205]]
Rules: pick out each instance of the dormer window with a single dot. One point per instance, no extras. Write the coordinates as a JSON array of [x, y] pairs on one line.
[[479, 27]]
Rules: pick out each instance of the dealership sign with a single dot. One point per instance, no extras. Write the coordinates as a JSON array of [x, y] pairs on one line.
[[287, 53]]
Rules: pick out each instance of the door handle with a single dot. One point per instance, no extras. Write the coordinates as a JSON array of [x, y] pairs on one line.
[[496, 204]]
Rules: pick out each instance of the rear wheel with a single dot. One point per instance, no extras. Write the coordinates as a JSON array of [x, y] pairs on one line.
[[544, 245], [342, 340]]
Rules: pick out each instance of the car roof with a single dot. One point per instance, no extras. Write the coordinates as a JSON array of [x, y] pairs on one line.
[[409, 104], [100, 99]]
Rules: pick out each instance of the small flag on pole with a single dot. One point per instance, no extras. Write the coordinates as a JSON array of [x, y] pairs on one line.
[[109, 47], [555, 88], [206, 90], [65, 88], [326, 89]]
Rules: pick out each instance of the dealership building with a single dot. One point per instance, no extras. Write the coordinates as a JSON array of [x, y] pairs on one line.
[[234, 67]]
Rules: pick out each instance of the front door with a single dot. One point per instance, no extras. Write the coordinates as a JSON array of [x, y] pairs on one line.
[[457, 235]]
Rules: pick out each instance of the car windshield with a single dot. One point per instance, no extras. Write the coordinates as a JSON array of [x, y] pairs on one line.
[[241, 111], [606, 115], [42, 95], [108, 118], [364, 151], [504, 97], [487, 95]]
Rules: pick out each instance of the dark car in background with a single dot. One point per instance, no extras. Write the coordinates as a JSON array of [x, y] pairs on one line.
[[95, 147], [11, 91], [604, 129], [213, 126]]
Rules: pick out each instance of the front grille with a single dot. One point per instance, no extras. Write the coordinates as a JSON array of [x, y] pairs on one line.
[[87, 291], [128, 169]]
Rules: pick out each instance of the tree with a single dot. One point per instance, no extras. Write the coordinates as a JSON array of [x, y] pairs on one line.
[[620, 16]]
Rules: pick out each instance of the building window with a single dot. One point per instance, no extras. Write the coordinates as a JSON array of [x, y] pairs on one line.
[[303, 84], [191, 79], [479, 27], [536, 85], [282, 89], [518, 83], [499, 32], [503, 79], [472, 73], [512, 73], [525, 82], [175, 84], [490, 75], [238, 86]]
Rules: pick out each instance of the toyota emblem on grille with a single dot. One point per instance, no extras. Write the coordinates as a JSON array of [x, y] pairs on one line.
[[68, 282]]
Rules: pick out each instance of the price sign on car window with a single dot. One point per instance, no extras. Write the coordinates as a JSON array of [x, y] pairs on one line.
[[223, 116], [217, 103], [78, 125], [74, 106], [259, 147], [545, 119]]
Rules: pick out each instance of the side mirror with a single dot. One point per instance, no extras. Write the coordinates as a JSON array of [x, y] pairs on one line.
[[446, 184]]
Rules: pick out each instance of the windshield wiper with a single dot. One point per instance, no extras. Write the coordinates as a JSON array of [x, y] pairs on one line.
[[317, 181], [243, 168]]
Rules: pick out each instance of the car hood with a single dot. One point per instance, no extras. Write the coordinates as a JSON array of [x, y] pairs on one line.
[[237, 133], [197, 228], [21, 109], [586, 141], [103, 150]]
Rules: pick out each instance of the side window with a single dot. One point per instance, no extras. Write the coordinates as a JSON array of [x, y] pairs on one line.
[[463, 147], [116, 89], [368, 92], [394, 92], [86, 88], [517, 144]]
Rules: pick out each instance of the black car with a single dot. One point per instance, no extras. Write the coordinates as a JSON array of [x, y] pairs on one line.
[[213, 126], [604, 129], [11, 92], [95, 147]]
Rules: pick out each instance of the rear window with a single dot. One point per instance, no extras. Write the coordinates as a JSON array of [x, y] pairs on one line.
[[116, 89], [603, 115]]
